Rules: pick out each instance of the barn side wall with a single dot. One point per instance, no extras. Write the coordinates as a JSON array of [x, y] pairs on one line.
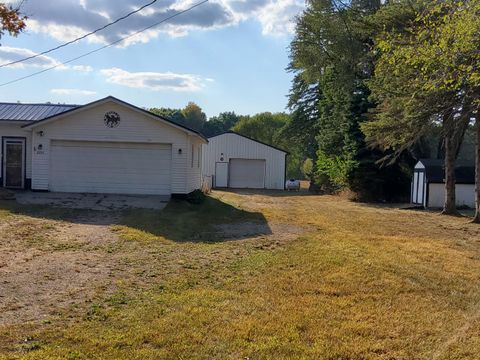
[[234, 146]]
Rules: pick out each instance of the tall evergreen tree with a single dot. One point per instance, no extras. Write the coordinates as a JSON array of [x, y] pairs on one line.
[[331, 60]]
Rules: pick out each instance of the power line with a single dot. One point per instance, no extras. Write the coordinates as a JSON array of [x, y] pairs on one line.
[[79, 38], [105, 46]]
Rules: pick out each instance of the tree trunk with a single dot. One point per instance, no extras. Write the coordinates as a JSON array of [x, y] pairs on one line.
[[454, 132], [450, 141], [450, 207], [476, 219]]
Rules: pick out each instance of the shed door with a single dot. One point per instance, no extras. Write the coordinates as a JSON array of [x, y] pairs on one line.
[[421, 184], [221, 174], [108, 167], [418, 186], [247, 173]]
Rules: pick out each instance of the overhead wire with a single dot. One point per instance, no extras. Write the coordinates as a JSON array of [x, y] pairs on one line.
[[105, 46], [78, 38]]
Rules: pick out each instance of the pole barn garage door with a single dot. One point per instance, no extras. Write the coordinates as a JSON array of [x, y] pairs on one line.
[[247, 173], [108, 167]]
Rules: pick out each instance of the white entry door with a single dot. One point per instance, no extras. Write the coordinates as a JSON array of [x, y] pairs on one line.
[[247, 173], [109, 167], [221, 174]]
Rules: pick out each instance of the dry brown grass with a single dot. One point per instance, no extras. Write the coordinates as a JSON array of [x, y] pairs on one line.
[[348, 281]]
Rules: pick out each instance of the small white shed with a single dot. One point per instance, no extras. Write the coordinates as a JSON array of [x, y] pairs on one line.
[[428, 184], [237, 161]]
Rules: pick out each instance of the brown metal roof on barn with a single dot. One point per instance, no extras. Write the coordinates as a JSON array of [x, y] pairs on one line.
[[435, 171], [31, 112]]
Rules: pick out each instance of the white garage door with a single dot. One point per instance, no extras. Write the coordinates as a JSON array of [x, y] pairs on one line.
[[108, 167], [247, 173]]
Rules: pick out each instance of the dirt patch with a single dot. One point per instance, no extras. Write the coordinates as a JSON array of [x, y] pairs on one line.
[[39, 285], [90, 229], [45, 268], [50, 266], [98, 202]]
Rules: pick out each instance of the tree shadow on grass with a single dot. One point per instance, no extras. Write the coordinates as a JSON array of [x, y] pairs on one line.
[[385, 205], [211, 221], [180, 221], [464, 212], [271, 193]]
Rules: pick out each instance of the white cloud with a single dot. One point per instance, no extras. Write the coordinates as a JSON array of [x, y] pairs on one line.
[[9, 54], [73, 92], [154, 80], [83, 68], [277, 18], [67, 19]]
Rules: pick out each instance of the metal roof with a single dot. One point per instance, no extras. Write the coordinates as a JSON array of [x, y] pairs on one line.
[[249, 138], [31, 112]]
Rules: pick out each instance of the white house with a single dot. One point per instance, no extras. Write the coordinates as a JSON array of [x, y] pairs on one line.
[[236, 161], [428, 184], [107, 146]]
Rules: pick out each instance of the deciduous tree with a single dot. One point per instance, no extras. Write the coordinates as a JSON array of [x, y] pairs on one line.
[[195, 118], [12, 20], [427, 74], [216, 125]]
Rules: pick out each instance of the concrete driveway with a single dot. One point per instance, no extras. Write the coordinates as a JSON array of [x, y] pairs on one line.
[[93, 201]]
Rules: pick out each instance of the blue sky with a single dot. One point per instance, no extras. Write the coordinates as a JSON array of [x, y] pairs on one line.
[[227, 55]]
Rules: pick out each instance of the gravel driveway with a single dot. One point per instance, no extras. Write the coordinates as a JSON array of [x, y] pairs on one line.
[[93, 201]]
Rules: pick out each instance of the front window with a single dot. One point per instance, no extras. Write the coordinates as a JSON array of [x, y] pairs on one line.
[[193, 154], [198, 156]]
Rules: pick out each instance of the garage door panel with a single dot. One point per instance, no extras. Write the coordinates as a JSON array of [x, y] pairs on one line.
[[102, 167], [247, 173]]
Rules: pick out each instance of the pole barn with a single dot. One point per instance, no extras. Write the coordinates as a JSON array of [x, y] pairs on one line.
[[236, 161]]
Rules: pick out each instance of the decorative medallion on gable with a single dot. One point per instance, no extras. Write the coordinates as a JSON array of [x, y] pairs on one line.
[[111, 119]]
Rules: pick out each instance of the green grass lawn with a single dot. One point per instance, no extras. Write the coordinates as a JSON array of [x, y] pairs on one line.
[[357, 282]]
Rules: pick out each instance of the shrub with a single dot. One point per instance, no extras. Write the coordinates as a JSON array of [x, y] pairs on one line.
[[196, 197]]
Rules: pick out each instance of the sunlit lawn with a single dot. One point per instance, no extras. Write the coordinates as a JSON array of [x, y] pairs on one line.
[[358, 282]]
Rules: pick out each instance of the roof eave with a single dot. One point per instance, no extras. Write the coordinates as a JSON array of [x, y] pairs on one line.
[[249, 138], [25, 122]]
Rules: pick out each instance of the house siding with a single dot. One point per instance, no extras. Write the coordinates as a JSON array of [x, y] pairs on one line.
[[194, 167], [234, 146], [88, 125]]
